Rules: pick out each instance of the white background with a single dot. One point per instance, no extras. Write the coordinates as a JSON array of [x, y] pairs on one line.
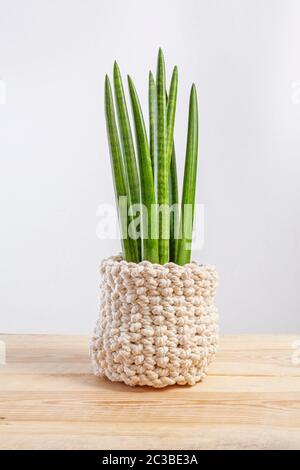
[[243, 56]]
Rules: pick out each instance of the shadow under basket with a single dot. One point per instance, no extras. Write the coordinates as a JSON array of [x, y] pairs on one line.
[[158, 324]]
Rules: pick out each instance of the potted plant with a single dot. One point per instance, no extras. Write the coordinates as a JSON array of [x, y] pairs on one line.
[[158, 323]]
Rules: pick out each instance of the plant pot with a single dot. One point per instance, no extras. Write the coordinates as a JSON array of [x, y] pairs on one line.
[[157, 324]]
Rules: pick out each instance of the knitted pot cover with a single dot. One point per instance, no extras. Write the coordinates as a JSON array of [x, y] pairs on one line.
[[157, 324]]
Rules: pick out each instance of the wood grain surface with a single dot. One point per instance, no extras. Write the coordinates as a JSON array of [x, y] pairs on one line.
[[49, 399]]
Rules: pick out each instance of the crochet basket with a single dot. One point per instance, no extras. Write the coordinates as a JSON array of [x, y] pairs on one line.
[[158, 325]]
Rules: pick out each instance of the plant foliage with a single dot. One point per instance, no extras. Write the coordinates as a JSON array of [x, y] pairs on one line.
[[145, 173]]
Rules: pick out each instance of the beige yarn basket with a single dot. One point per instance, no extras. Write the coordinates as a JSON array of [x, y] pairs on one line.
[[158, 325]]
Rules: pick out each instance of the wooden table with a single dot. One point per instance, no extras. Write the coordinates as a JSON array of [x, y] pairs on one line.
[[49, 399]]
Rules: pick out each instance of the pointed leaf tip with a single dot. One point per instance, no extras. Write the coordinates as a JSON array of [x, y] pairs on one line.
[[107, 82], [160, 54], [116, 67], [130, 82]]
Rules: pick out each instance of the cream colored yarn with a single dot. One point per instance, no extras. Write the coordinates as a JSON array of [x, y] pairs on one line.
[[157, 324]]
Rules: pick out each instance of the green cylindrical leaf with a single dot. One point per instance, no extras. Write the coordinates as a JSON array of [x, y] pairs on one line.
[[152, 121], [189, 184], [174, 210], [171, 111], [129, 246], [162, 180], [173, 184], [129, 159], [149, 229]]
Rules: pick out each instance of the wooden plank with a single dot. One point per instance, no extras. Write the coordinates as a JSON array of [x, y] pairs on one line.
[[87, 382], [50, 399], [59, 354], [280, 410], [45, 435]]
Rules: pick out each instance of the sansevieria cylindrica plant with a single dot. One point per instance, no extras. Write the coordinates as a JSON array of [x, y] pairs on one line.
[[158, 324], [153, 226]]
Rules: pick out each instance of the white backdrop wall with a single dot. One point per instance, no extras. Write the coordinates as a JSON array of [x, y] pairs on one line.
[[243, 56]]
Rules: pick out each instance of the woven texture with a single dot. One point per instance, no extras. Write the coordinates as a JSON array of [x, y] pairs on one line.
[[157, 324]]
